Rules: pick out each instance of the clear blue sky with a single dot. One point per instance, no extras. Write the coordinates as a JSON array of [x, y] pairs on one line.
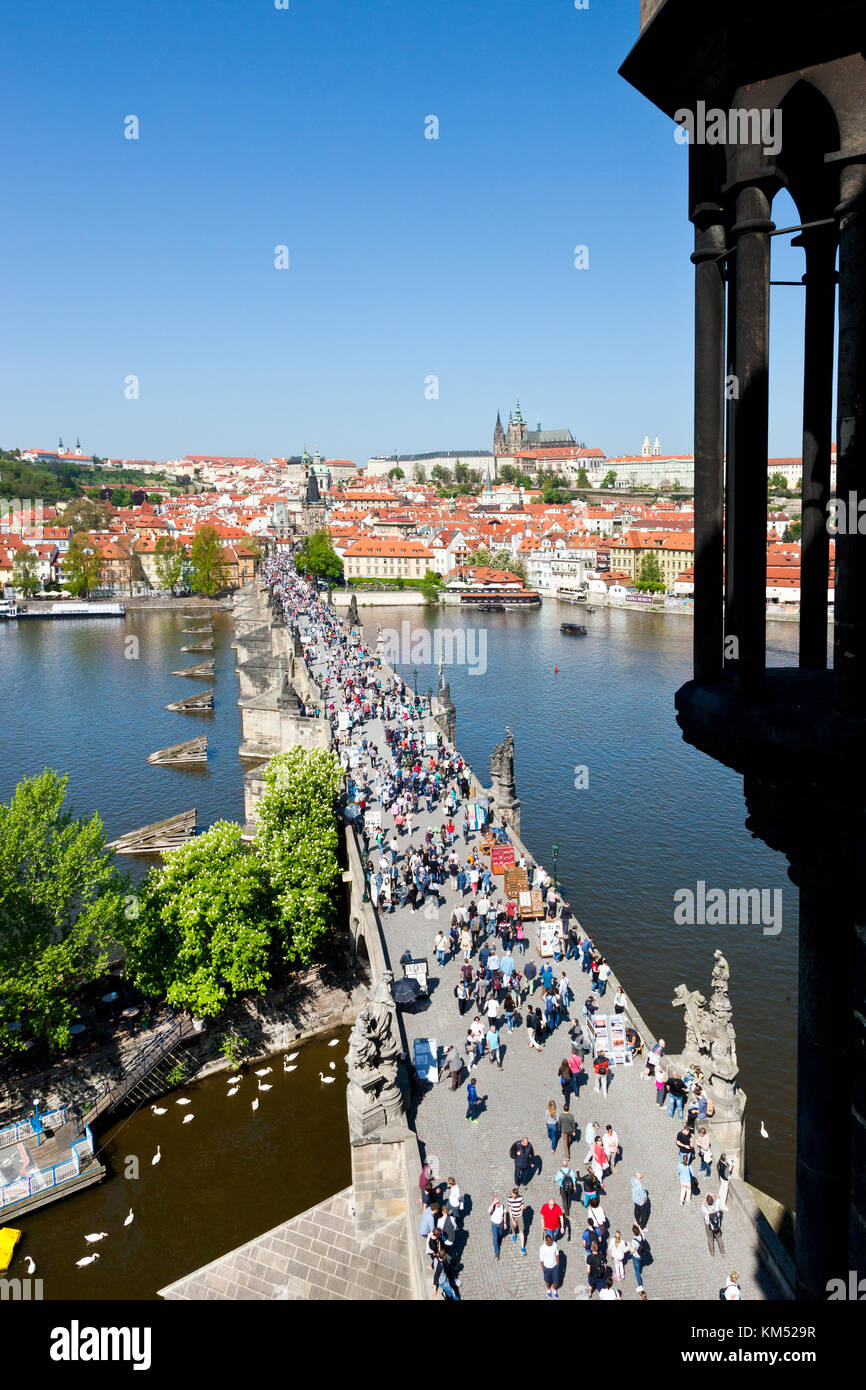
[[409, 257]]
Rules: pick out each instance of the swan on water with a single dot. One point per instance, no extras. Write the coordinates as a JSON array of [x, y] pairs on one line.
[[233, 1080], [333, 1042], [764, 1134], [232, 1091], [30, 1263], [158, 1109], [129, 1220], [255, 1104], [157, 1156], [263, 1086], [95, 1236], [328, 1080], [187, 1118], [88, 1260], [291, 1057], [290, 1069], [182, 1101], [264, 1071]]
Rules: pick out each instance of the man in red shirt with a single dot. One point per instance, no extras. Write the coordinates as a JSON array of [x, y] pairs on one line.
[[551, 1215]]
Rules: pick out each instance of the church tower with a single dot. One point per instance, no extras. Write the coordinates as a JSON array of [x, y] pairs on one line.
[[516, 430], [499, 446]]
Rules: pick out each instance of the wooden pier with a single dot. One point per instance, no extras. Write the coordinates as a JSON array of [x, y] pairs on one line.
[[194, 750], [193, 703], [203, 671], [162, 835]]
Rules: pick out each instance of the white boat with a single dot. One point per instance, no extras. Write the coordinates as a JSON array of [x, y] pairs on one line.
[[8, 608]]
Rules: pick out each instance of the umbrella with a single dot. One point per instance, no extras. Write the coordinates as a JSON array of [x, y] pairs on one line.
[[406, 991]]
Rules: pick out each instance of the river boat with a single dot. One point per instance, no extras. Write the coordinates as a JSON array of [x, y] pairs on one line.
[[69, 610], [573, 629]]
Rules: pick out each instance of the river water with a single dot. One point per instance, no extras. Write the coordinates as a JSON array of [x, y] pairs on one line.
[[655, 816]]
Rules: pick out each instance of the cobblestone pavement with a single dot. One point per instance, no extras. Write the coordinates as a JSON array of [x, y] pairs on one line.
[[514, 1103]]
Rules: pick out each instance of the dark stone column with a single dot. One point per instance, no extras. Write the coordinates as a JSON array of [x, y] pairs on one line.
[[819, 244], [747, 582], [709, 439], [849, 661]]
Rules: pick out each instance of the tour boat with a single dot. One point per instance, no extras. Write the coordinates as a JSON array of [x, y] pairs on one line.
[[8, 608], [574, 629]]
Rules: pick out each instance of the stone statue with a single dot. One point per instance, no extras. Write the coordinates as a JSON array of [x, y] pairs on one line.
[[374, 1097], [297, 648], [502, 764], [710, 1037], [353, 619], [694, 1015]]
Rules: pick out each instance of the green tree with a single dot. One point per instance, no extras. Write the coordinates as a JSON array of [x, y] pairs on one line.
[[25, 573], [208, 569], [298, 842], [442, 475], [317, 556], [778, 482], [418, 473], [508, 473], [461, 473], [650, 572], [430, 586], [170, 560], [796, 530], [609, 478], [81, 566], [204, 930], [85, 514], [481, 556], [582, 477], [61, 910], [396, 473]]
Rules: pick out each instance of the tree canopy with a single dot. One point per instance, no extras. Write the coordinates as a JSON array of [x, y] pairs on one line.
[[317, 556], [208, 570], [61, 909]]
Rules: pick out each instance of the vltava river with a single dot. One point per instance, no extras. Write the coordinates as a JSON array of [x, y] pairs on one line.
[[655, 817]]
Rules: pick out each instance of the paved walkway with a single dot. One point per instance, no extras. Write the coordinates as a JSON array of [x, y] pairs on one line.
[[515, 1101]]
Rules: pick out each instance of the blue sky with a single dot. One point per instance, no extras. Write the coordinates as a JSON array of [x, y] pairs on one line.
[[409, 257]]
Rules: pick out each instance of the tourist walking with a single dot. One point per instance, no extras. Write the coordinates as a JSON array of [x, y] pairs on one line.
[[640, 1197], [523, 1155], [601, 1067], [685, 1175], [516, 1220], [566, 1182], [492, 1040], [711, 1211], [454, 1063], [443, 1271], [639, 1246], [496, 1212], [725, 1170], [472, 1101], [568, 1130], [703, 1144], [552, 1217], [549, 1259], [731, 1292], [596, 1269], [610, 1143], [550, 1119], [618, 1253]]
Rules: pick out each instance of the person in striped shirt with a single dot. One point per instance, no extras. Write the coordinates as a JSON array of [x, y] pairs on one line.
[[516, 1225]]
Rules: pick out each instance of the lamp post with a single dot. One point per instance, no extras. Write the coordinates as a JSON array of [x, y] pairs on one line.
[[554, 849], [415, 682], [364, 859]]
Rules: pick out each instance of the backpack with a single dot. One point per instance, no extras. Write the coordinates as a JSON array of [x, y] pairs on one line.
[[716, 1222], [643, 1248], [568, 1186]]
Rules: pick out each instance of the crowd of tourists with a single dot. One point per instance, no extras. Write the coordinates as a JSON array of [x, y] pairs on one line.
[[399, 767]]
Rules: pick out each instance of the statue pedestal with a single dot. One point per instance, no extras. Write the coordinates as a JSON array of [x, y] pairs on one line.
[[372, 1106]]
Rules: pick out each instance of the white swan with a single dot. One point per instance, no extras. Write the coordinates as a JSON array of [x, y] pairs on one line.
[[263, 1086], [95, 1236], [333, 1042], [183, 1101], [129, 1220], [234, 1080], [328, 1080], [255, 1104], [157, 1156], [232, 1091], [158, 1109], [264, 1071], [764, 1134], [187, 1118], [30, 1263], [333, 1066], [290, 1069], [291, 1057], [88, 1260]]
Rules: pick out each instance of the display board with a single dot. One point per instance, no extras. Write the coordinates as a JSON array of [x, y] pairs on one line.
[[516, 882], [501, 858], [425, 1057], [373, 819], [417, 970], [545, 935]]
